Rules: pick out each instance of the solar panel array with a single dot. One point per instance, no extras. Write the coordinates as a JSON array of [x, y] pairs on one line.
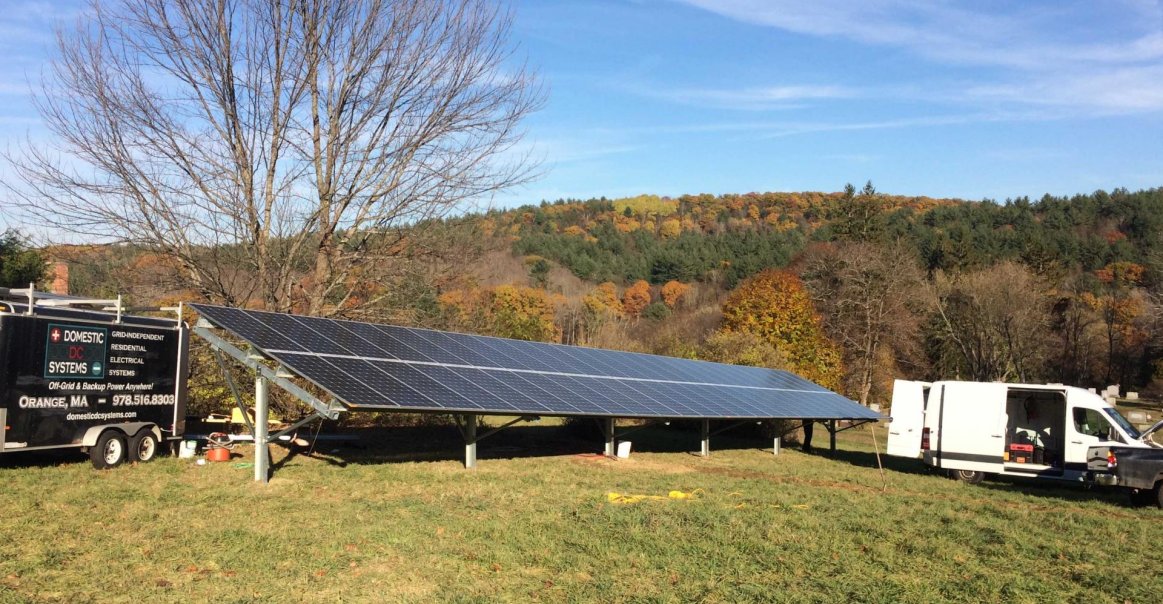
[[372, 366]]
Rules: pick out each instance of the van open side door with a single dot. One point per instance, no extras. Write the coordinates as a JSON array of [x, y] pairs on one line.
[[972, 426], [908, 418]]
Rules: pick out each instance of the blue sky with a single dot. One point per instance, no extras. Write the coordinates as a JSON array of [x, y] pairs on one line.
[[971, 99]]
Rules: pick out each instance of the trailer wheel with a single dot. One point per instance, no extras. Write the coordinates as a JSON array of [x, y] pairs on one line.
[[969, 476], [1159, 494], [144, 446], [110, 450]]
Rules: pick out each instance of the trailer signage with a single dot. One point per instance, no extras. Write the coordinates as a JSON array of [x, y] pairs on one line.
[[68, 374], [60, 377], [74, 351]]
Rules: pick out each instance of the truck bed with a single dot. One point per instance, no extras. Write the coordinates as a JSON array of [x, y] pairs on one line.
[[1135, 467]]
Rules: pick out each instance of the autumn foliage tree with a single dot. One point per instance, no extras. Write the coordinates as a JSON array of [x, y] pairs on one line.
[[670, 228], [508, 311], [636, 298], [775, 306], [742, 348], [1124, 313], [673, 292], [601, 306]]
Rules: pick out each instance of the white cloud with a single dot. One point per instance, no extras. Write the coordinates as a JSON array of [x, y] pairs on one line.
[[1114, 65], [937, 30], [770, 129], [761, 98], [1116, 90]]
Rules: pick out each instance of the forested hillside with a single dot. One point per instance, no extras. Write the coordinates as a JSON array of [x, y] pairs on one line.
[[708, 238], [1057, 289], [850, 289]]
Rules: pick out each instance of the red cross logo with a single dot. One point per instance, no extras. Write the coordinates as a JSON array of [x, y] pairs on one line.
[[55, 336]]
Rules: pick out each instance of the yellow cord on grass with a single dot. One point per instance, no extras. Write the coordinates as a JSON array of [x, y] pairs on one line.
[[621, 499]]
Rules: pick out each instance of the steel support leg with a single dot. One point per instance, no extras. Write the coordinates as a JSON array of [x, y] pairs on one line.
[[262, 455], [470, 441], [775, 446], [705, 430], [608, 432], [832, 436]]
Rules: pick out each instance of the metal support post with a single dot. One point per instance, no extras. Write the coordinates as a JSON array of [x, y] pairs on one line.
[[470, 441], [705, 430], [262, 457], [775, 446], [608, 432], [832, 436]]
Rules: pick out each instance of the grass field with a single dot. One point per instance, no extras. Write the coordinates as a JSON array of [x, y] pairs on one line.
[[534, 523]]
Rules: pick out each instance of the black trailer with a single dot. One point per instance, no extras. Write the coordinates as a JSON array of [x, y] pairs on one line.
[[83, 373]]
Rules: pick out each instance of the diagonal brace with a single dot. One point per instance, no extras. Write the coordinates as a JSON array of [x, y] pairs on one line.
[[329, 411], [853, 425], [295, 426], [731, 426], [649, 423], [234, 390], [524, 418], [461, 425]]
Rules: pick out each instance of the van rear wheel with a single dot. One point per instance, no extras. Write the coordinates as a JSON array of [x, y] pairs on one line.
[[1159, 494], [969, 476], [110, 450]]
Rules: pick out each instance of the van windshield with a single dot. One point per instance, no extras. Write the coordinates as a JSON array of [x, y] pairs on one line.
[[1122, 422]]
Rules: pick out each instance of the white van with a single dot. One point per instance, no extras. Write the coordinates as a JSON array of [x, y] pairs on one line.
[[977, 428]]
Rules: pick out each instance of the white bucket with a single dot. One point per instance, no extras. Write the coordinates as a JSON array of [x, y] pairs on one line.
[[623, 449], [188, 449]]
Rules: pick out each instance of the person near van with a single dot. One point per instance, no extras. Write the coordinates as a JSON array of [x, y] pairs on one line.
[[806, 446]]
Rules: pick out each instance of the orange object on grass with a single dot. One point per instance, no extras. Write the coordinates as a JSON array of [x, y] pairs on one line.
[[218, 454]]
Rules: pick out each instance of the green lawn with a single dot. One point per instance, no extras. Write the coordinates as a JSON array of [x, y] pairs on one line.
[[533, 523]]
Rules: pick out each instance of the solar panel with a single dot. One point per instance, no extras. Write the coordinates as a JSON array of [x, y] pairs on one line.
[[371, 366]]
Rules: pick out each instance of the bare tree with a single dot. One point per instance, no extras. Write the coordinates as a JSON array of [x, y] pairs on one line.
[[869, 295], [1078, 328], [289, 151], [995, 322]]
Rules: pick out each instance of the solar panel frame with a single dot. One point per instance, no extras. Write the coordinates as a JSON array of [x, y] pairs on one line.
[[369, 366]]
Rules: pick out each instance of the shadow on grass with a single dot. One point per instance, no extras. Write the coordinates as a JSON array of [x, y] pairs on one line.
[[404, 444], [444, 443], [42, 459], [867, 459], [1063, 492]]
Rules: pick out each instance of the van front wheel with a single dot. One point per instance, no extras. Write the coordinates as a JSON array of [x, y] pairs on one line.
[[969, 476]]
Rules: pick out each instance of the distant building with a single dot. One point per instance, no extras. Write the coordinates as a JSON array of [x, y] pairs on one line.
[[59, 277]]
